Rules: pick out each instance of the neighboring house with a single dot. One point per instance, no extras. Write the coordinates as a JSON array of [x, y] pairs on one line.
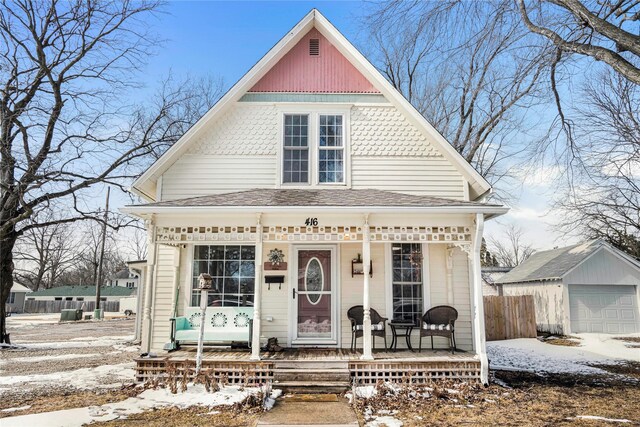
[[15, 303], [489, 277], [125, 278], [589, 287], [315, 154], [80, 293]]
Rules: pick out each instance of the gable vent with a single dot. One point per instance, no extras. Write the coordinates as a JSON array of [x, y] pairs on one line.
[[314, 47]]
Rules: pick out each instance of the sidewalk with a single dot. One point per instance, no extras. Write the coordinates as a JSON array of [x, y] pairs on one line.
[[302, 410]]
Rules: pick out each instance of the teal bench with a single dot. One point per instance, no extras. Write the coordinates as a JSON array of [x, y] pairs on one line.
[[223, 326]]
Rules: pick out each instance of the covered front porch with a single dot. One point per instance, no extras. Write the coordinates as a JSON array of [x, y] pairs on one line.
[[295, 264]]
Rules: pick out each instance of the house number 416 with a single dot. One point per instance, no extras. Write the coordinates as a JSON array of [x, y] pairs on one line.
[[313, 222]]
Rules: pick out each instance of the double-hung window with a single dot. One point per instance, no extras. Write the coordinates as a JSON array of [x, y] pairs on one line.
[[407, 281], [330, 149], [313, 149], [296, 149]]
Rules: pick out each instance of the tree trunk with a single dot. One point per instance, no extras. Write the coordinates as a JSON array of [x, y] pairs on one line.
[[7, 242]]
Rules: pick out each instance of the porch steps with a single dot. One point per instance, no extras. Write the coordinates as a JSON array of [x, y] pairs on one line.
[[312, 376]]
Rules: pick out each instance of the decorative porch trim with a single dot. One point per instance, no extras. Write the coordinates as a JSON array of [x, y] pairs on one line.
[[458, 235]]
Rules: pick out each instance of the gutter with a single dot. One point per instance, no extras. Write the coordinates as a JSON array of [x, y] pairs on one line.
[[491, 211]]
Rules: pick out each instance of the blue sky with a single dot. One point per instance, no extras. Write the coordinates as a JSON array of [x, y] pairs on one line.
[[224, 39]]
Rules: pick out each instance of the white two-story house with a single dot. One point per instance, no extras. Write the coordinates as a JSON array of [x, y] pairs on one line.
[[314, 169]]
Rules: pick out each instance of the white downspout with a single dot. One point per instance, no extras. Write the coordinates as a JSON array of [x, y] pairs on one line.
[[479, 335]]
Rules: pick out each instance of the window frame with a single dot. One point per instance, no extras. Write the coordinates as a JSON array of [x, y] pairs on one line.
[[426, 279], [191, 254], [314, 111], [298, 148]]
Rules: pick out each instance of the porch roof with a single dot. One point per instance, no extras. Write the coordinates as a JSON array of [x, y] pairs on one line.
[[339, 199]]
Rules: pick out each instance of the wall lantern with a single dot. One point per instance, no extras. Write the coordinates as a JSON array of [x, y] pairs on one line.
[[357, 266]]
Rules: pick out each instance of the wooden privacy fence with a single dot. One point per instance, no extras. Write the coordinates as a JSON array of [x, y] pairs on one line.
[[34, 306], [509, 317]]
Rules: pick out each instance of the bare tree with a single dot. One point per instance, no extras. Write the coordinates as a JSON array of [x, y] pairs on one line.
[[137, 243], [470, 68], [604, 200], [64, 66], [43, 254], [513, 250], [605, 30]]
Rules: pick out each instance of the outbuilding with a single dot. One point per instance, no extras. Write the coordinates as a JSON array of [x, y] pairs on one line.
[[588, 287], [15, 303]]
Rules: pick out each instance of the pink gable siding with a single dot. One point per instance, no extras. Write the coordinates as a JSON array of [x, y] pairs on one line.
[[330, 72]]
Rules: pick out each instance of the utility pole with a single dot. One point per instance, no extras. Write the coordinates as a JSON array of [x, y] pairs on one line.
[[101, 258]]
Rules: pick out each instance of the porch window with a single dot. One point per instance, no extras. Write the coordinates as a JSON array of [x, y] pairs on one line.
[[232, 268], [331, 150], [12, 298], [407, 281], [296, 149]]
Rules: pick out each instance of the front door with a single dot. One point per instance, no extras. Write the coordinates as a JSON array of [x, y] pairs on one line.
[[314, 297]]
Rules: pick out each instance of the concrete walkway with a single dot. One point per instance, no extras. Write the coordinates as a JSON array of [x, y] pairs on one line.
[[302, 410]]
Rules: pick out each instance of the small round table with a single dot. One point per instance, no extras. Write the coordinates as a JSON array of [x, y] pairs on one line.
[[407, 328]]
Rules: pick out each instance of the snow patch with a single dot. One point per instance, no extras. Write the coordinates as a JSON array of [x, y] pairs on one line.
[[195, 395], [596, 418], [20, 408], [105, 376], [529, 354], [384, 421]]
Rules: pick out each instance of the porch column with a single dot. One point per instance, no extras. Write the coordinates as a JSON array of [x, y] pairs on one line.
[[478, 309], [148, 291], [366, 260], [257, 295], [176, 281]]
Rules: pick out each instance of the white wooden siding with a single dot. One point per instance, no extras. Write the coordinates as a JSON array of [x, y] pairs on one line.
[[430, 176], [461, 293], [352, 288], [549, 303], [204, 174], [275, 302], [162, 297]]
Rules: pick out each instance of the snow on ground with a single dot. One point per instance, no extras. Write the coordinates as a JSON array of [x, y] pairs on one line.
[[530, 354], [607, 420], [82, 342], [607, 345], [34, 359], [196, 395], [105, 376]]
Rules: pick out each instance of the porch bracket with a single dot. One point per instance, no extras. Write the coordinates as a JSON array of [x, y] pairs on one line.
[[257, 304], [366, 304], [478, 312]]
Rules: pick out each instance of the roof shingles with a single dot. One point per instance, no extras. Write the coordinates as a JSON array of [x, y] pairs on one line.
[[312, 197]]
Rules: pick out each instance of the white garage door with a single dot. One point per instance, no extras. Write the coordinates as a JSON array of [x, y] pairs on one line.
[[607, 308]]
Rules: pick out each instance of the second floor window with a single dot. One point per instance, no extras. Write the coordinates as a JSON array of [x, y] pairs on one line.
[[296, 149], [330, 150], [313, 149]]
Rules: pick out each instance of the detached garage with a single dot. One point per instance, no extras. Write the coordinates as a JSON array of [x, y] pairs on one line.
[[590, 287]]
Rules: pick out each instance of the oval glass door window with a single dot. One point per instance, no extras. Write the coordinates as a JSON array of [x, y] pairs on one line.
[[314, 280]]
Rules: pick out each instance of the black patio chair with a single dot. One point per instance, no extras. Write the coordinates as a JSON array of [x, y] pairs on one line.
[[378, 325], [439, 321]]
